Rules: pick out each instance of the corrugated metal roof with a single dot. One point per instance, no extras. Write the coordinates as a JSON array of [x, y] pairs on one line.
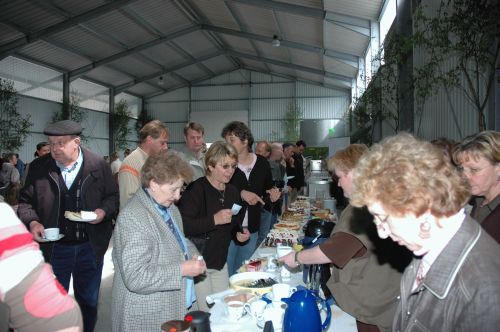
[[307, 59], [53, 55], [108, 75], [306, 3], [8, 34], [191, 73], [237, 43], [339, 67], [163, 15], [98, 35], [347, 41], [27, 15], [196, 44], [87, 44], [134, 66], [164, 55], [77, 7], [217, 13], [122, 28], [256, 19], [143, 89], [219, 64], [369, 9], [301, 29]]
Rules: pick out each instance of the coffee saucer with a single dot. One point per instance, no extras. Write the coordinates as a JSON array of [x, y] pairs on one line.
[[47, 240]]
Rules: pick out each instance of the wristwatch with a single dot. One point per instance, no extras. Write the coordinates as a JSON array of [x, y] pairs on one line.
[[297, 262]]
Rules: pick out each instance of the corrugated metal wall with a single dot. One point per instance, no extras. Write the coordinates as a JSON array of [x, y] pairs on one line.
[[41, 111], [265, 97], [449, 113]]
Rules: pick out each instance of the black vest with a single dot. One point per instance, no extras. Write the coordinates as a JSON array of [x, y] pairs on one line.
[[71, 200]]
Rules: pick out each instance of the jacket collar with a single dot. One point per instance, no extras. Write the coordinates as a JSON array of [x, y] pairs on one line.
[[89, 164], [445, 268]]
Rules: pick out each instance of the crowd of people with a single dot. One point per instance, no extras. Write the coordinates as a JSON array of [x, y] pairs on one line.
[[416, 247]]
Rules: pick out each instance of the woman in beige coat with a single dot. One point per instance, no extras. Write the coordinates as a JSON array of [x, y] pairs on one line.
[[154, 262]]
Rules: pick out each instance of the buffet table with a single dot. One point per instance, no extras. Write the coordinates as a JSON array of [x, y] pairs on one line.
[[219, 321]]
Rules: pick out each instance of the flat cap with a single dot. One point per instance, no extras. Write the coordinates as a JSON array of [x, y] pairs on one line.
[[63, 128]]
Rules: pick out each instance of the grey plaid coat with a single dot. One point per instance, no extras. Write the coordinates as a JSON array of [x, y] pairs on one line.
[[148, 289]]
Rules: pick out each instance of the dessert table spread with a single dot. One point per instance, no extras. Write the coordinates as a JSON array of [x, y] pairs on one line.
[[220, 322]]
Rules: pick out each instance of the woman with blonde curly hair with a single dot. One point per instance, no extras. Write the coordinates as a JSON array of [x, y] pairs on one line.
[[479, 159], [417, 199], [365, 277]]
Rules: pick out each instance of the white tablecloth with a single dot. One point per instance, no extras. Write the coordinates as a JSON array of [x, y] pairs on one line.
[[219, 322]]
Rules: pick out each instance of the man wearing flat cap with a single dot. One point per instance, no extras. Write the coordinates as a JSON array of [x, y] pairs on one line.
[[71, 178]]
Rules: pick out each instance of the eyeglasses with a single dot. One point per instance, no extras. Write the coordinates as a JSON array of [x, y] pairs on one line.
[[173, 190], [227, 166]]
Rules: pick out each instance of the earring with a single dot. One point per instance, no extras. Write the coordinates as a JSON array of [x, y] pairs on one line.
[[425, 230]]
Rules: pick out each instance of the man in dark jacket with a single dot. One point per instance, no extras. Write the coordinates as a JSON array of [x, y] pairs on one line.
[[71, 178], [295, 168]]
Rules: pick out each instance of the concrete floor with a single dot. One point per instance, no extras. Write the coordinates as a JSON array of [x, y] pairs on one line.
[[104, 306]]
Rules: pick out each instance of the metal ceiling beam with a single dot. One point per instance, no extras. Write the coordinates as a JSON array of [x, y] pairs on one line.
[[285, 7], [82, 70], [294, 78], [178, 77], [124, 86], [49, 6], [196, 16], [349, 59], [62, 71], [356, 24], [339, 77], [148, 27], [11, 47], [191, 83], [188, 56], [243, 28]]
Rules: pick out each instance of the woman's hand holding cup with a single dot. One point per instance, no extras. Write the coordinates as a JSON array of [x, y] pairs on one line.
[[223, 217], [193, 267]]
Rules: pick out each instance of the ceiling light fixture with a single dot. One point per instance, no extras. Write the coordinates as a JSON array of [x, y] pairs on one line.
[[160, 80], [276, 42]]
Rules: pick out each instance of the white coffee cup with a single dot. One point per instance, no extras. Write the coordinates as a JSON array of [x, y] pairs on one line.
[[273, 314], [51, 234], [283, 250], [282, 291], [255, 308], [235, 309]]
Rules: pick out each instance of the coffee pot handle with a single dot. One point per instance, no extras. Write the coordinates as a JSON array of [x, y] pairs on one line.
[[325, 305], [328, 318]]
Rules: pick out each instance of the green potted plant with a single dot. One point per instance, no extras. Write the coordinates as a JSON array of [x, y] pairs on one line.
[[14, 128]]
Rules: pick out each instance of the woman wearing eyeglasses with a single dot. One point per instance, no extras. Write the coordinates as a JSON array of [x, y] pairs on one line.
[[479, 159], [208, 220], [417, 198]]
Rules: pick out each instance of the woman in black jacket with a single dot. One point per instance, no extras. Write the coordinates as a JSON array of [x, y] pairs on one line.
[[254, 180]]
